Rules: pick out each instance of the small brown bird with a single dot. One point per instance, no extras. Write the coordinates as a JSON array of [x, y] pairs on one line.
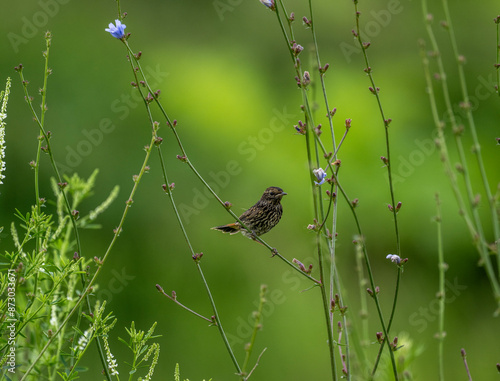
[[261, 217]]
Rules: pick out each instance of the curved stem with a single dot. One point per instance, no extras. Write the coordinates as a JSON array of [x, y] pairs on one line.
[[198, 266], [216, 317], [396, 292], [197, 174]]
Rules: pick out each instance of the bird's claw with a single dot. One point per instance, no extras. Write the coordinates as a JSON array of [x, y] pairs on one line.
[[274, 252]]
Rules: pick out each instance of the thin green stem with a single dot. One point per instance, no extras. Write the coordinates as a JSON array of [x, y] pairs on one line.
[[364, 340], [477, 147], [169, 192], [317, 203], [256, 327], [385, 121], [197, 174], [216, 317], [442, 266], [334, 277], [174, 299], [474, 224], [90, 284], [441, 142], [394, 303], [326, 309], [322, 79], [497, 64], [46, 137], [365, 256]]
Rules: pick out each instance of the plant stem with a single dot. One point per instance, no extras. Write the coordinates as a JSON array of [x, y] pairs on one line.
[[365, 256], [497, 64], [464, 357], [198, 267], [476, 147], [396, 292], [474, 223], [256, 327], [364, 340], [174, 299], [46, 137], [317, 202], [89, 287], [334, 277], [216, 317], [385, 122], [326, 309], [197, 174], [442, 266]]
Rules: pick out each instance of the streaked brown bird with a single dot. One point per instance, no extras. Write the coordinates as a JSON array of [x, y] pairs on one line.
[[261, 217]]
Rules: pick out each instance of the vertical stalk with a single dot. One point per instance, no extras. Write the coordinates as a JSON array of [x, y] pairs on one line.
[[256, 328], [476, 147], [46, 137], [497, 64], [90, 284], [442, 266], [375, 90], [473, 223], [386, 122], [133, 60]]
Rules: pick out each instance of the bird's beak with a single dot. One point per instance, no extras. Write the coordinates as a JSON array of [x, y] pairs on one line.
[[283, 194]]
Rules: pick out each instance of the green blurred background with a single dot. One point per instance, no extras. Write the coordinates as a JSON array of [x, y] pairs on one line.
[[226, 76]]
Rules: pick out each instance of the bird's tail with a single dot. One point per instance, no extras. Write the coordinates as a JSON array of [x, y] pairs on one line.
[[229, 228]]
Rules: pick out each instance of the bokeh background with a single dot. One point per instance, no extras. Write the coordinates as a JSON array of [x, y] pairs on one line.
[[226, 76]]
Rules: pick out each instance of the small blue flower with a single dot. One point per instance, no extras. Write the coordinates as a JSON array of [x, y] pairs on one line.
[[117, 31], [320, 175], [268, 3], [394, 258]]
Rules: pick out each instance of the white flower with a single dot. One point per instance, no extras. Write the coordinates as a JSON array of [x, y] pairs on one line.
[[320, 175], [84, 340], [112, 364], [394, 258], [4, 97], [53, 316]]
